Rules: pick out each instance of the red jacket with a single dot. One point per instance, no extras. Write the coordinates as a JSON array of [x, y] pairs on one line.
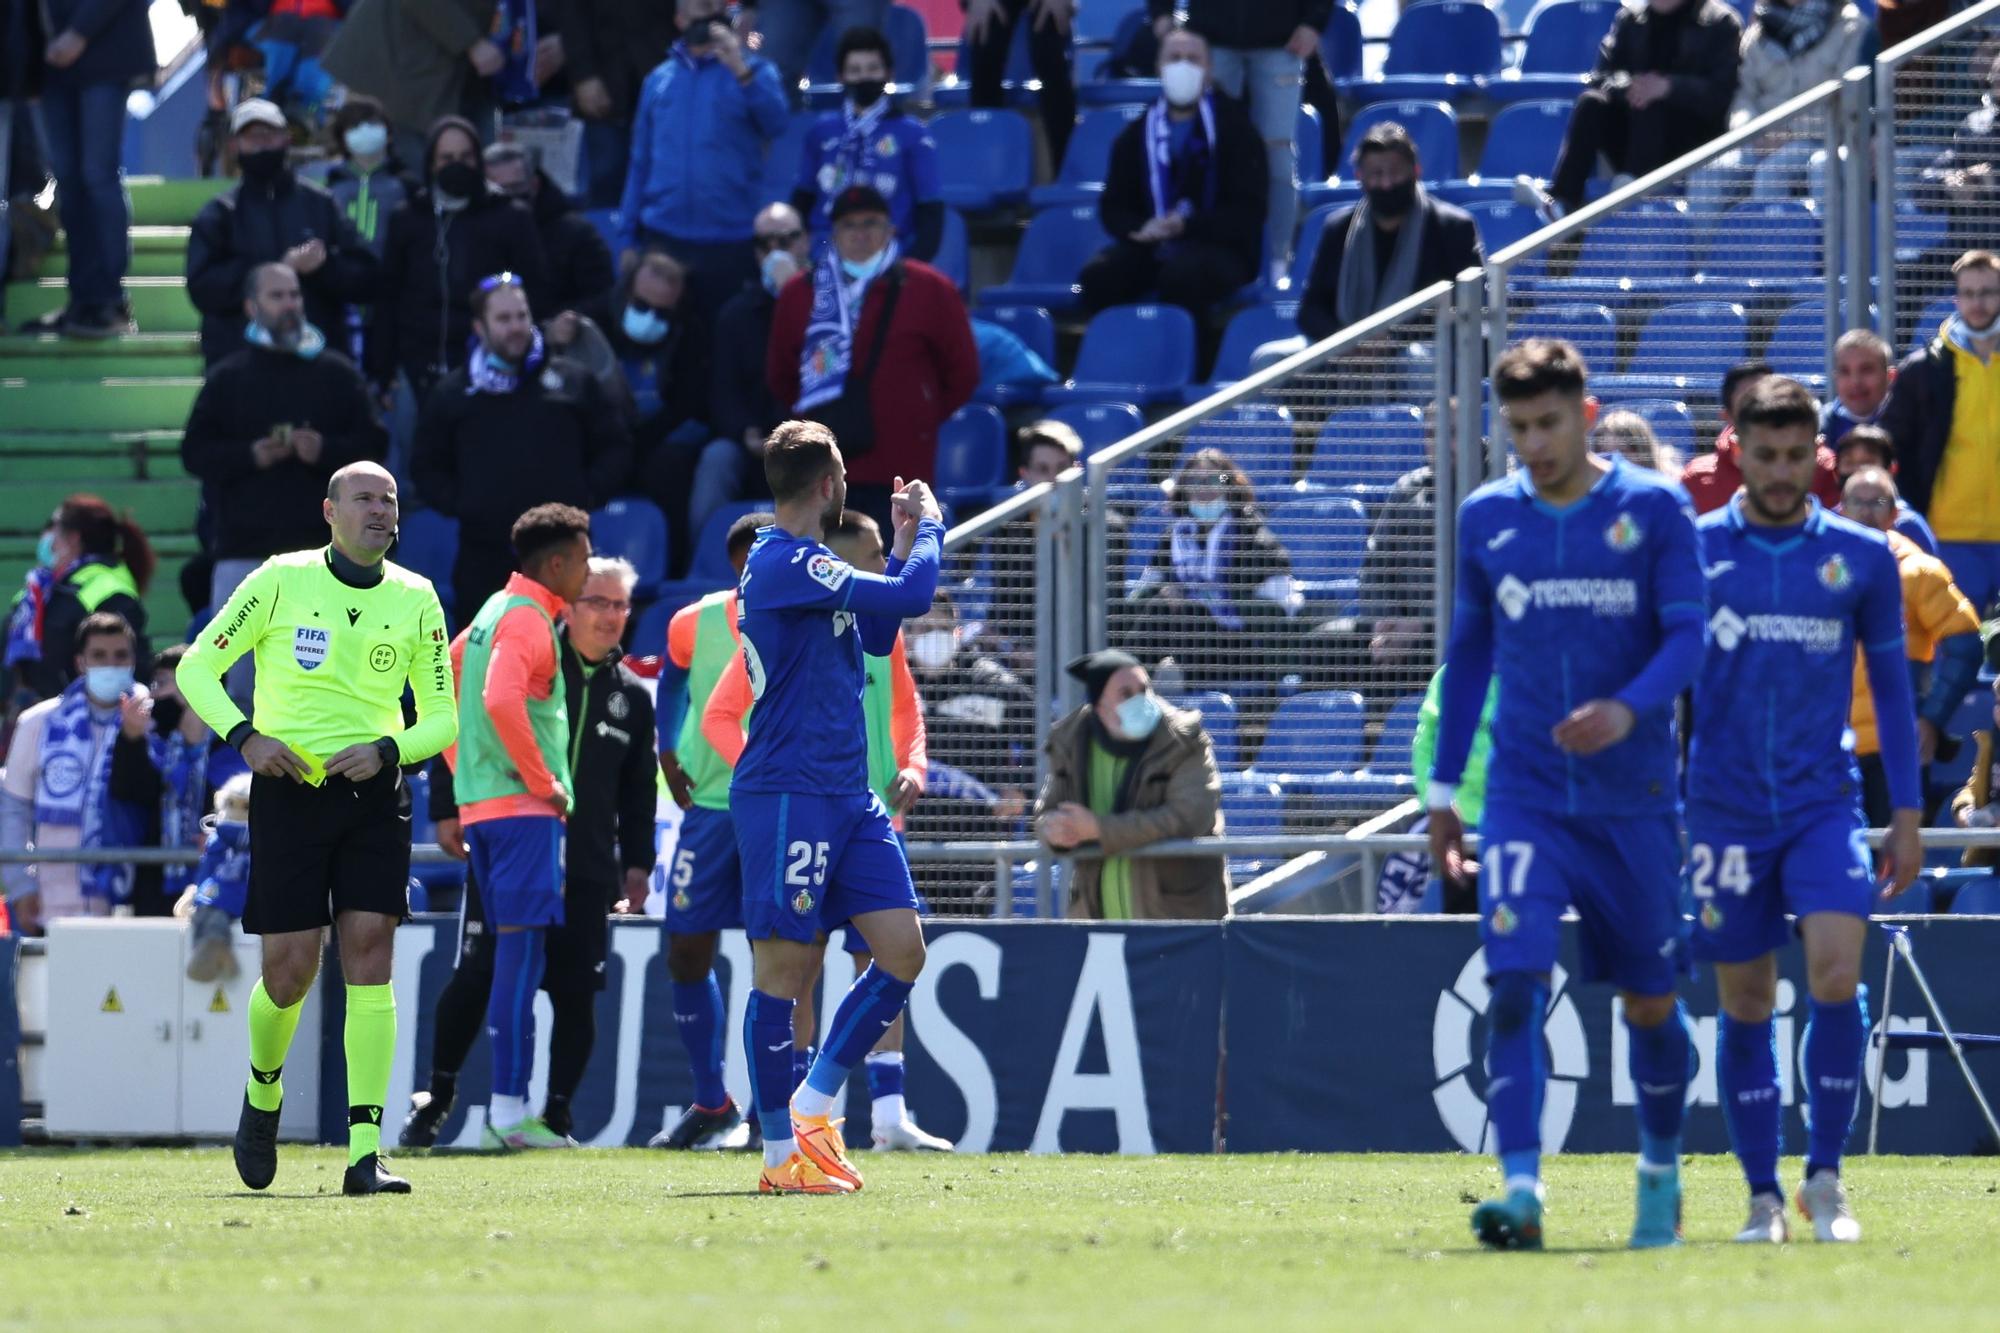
[[929, 367], [1712, 478]]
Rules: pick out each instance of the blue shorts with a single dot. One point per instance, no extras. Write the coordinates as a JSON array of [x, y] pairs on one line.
[[705, 881], [811, 863], [1744, 883], [1621, 873], [519, 865]]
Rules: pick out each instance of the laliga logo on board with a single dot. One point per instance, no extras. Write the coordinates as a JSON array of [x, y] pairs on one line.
[[1459, 1107]]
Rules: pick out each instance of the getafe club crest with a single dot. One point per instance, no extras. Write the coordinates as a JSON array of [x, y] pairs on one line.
[[1834, 575], [802, 901], [1624, 533]]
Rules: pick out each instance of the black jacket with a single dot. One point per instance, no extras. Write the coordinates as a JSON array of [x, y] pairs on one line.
[[678, 362], [22, 42], [613, 767], [1396, 580], [740, 397], [60, 619], [1918, 416], [118, 40], [1699, 50], [1450, 246], [576, 260], [618, 41], [1247, 25], [423, 323], [248, 226], [1237, 220], [260, 512]]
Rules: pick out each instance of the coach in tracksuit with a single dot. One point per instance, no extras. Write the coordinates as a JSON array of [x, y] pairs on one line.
[[608, 858]]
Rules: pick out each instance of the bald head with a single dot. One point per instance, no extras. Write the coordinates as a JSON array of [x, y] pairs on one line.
[[374, 472], [1869, 498], [780, 231], [360, 507]]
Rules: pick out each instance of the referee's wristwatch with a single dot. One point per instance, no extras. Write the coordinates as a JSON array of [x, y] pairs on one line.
[[391, 756]]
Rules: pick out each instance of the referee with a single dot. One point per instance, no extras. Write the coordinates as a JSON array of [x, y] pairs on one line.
[[335, 633]]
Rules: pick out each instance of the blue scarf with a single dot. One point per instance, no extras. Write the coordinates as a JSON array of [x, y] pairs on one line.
[[24, 622], [489, 374], [514, 33], [183, 769], [1184, 184], [854, 160], [1200, 561], [828, 353], [222, 879], [310, 344], [74, 790], [1799, 27]]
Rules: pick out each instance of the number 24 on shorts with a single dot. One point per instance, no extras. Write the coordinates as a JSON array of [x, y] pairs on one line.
[[1730, 872]]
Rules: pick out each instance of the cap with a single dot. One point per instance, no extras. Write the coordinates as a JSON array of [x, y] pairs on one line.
[[858, 199], [1096, 669], [255, 111]]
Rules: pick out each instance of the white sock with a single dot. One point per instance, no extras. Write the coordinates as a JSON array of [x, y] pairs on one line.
[[1530, 1184], [506, 1112], [779, 1151], [889, 1110], [810, 1101]]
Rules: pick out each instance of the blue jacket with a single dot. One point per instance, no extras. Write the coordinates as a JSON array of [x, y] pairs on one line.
[[118, 41], [698, 150]]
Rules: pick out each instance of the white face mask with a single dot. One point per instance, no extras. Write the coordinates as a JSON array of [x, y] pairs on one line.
[[367, 139], [107, 684], [933, 649], [1138, 715], [1182, 81]]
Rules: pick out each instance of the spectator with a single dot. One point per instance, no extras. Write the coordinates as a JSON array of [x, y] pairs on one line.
[[576, 262], [1870, 446], [1628, 435], [511, 429], [1793, 46], [609, 46], [877, 347], [292, 38], [366, 178], [869, 142], [419, 61], [1940, 414], [221, 887], [1863, 371], [1712, 478], [159, 769], [272, 216], [741, 408], [1665, 79], [273, 422], [1977, 803], [55, 790], [22, 43], [989, 38], [1221, 579], [98, 561], [1259, 53], [1395, 242], [98, 52], [1125, 771], [453, 232], [1941, 636], [790, 29], [1183, 197], [698, 155], [1044, 450]]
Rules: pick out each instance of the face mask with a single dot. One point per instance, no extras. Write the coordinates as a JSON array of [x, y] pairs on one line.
[[864, 268], [460, 180], [865, 93], [778, 269], [933, 649], [1207, 511], [645, 326], [1182, 82], [1395, 201], [367, 139], [1138, 715], [45, 551], [106, 683], [167, 714], [262, 166]]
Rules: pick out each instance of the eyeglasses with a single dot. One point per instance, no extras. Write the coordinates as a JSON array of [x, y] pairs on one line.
[[605, 605], [1870, 502], [766, 244], [498, 280]]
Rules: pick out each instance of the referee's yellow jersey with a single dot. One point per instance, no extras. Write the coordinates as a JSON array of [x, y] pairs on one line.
[[331, 660]]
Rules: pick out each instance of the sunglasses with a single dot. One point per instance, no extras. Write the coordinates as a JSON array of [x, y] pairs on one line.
[[498, 280], [784, 239]]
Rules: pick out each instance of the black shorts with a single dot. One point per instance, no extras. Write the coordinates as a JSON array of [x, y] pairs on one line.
[[576, 948], [316, 852]]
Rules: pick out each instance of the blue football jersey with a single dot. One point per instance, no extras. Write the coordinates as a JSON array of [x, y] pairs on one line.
[[894, 155], [1578, 599], [1787, 608], [807, 617]]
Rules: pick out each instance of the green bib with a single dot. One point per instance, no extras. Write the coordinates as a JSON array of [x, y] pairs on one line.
[[714, 648], [484, 769], [97, 584], [879, 704]]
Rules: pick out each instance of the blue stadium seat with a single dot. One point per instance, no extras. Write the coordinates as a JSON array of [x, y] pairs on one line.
[[1765, 250], [1523, 140], [433, 874], [709, 561], [427, 544], [1137, 353], [1030, 323], [1672, 423], [1053, 251], [1642, 253], [1143, 535], [972, 455], [986, 158], [1684, 349], [634, 527], [606, 223], [1368, 446], [1307, 248], [1798, 344], [909, 57], [1249, 329], [1317, 731], [1441, 48], [1592, 328], [1097, 21], [1979, 898], [1560, 51], [1433, 125], [1100, 424], [1256, 436], [1017, 84], [1253, 805], [1930, 319], [781, 161], [1087, 158], [1399, 732], [1327, 538], [649, 629], [1309, 144], [1340, 48], [1503, 223], [954, 253], [1218, 719]]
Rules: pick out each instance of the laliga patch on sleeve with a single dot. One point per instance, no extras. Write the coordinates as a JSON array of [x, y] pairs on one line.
[[827, 570]]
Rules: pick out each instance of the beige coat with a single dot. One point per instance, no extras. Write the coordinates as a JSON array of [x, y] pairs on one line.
[[1977, 791], [1171, 791], [1771, 76]]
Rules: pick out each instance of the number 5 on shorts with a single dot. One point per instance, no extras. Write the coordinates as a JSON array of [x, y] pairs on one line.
[[683, 867], [1508, 863]]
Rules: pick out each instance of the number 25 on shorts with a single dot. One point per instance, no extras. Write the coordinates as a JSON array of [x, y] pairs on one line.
[[805, 864]]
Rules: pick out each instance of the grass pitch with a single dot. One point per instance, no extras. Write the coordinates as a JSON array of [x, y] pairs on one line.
[[644, 1240]]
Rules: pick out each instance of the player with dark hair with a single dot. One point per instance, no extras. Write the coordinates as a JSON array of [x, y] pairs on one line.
[[816, 844], [1580, 586], [514, 786], [1774, 823]]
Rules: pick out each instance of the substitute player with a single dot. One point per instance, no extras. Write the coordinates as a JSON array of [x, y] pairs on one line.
[[1580, 585], [335, 632], [816, 844], [1774, 812], [512, 773]]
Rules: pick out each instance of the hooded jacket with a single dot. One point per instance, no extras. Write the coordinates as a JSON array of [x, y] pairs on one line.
[[577, 261]]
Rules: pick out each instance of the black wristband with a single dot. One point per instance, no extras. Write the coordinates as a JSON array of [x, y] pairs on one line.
[[392, 757], [238, 734]]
